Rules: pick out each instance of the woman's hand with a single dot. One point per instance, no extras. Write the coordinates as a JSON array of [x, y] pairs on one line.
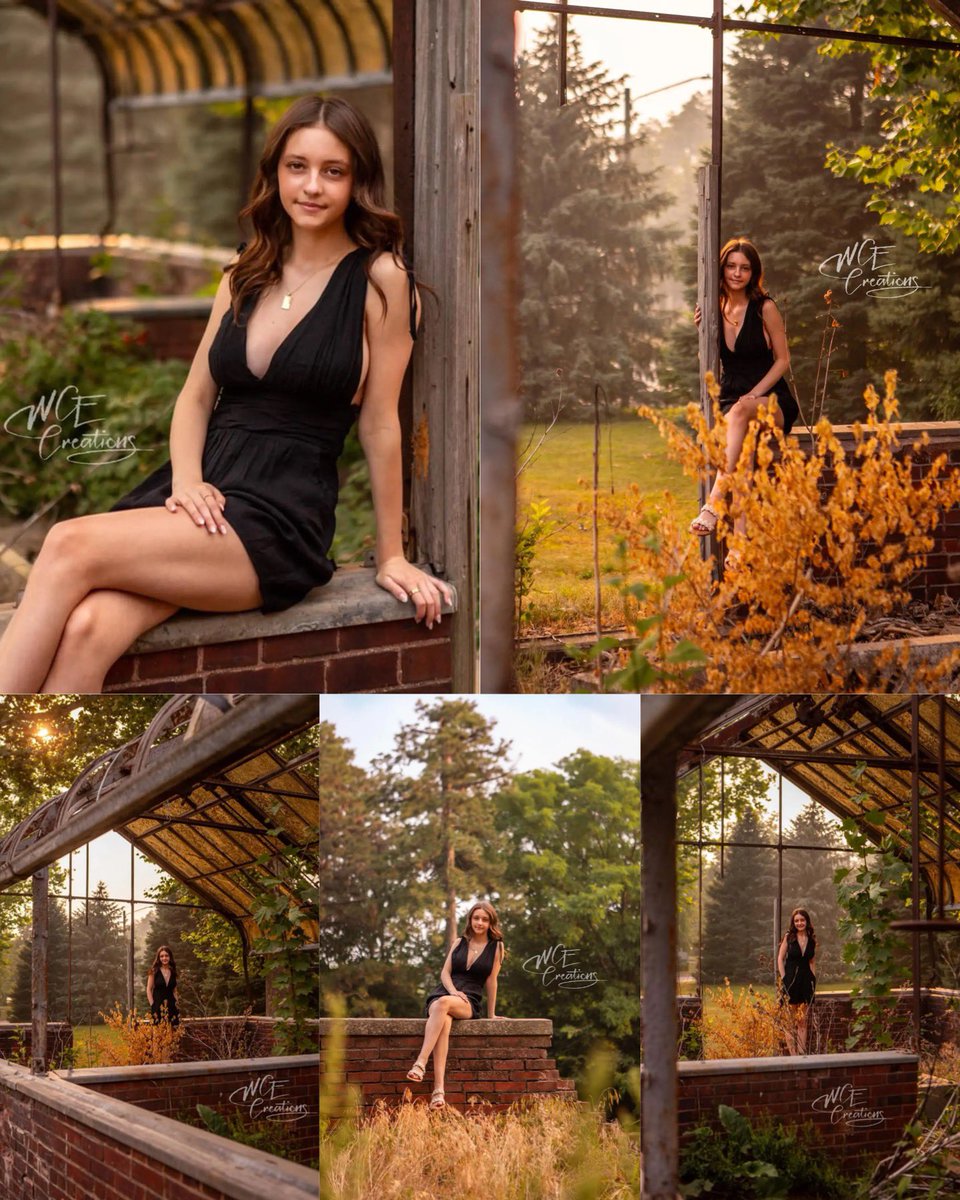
[[697, 316], [201, 500], [463, 996], [407, 582]]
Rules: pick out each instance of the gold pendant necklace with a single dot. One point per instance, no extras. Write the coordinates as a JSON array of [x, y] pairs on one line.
[[288, 296]]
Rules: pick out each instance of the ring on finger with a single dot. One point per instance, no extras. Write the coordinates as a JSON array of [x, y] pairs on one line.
[[415, 591]]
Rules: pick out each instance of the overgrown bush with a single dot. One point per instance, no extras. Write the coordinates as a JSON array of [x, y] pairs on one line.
[[742, 1161], [813, 570], [140, 1041]]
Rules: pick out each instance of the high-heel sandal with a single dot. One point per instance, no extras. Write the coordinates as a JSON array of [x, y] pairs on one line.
[[417, 1072], [705, 522], [437, 1099]]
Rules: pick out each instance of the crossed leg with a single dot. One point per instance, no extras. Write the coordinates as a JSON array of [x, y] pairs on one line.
[[436, 1034], [738, 421], [101, 580]]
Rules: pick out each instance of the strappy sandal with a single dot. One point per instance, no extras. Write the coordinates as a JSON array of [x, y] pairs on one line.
[[705, 522], [732, 562], [437, 1100], [417, 1072]]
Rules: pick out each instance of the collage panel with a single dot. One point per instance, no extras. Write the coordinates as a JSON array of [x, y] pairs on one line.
[[479, 867], [715, 209], [238, 359], [800, 973], [158, 867]]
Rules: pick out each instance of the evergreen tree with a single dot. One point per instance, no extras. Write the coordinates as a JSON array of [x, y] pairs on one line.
[[740, 938], [808, 883], [445, 828], [588, 253], [57, 943], [99, 958]]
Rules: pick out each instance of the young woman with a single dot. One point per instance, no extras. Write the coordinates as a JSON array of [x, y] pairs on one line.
[[162, 988], [312, 327], [754, 358], [798, 979], [471, 967]]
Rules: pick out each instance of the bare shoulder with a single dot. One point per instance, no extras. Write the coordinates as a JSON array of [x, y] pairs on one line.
[[388, 270], [768, 306]]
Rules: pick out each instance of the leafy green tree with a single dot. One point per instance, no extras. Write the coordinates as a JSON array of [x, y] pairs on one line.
[[586, 245], [573, 883], [739, 934], [912, 171]]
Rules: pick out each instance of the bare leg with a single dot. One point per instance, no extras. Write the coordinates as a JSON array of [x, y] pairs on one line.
[[802, 1031], [440, 1054], [738, 421], [102, 626], [149, 552], [439, 1010]]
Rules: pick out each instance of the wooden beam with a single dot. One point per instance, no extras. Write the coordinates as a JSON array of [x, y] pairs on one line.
[[38, 973], [255, 723], [446, 359]]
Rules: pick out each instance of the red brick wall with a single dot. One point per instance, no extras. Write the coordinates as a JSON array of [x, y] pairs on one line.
[[813, 1091], [241, 1089], [16, 1038], [46, 1155], [390, 656], [496, 1062]]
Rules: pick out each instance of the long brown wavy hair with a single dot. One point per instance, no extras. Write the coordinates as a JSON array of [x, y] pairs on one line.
[[173, 965], [791, 934], [368, 221], [755, 288], [494, 933]]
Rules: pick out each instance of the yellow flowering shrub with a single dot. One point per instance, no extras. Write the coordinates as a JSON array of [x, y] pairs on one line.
[[832, 539]]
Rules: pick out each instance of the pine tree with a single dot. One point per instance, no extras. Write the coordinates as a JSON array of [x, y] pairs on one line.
[[808, 883], [444, 810], [21, 1000], [739, 933], [588, 253], [100, 950]]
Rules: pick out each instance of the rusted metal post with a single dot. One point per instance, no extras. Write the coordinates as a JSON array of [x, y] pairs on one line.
[[38, 980], [131, 947], [500, 410], [658, 945], [708, 297]]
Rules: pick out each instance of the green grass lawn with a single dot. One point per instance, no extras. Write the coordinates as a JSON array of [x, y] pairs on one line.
[[88, 1042], [631, 451]]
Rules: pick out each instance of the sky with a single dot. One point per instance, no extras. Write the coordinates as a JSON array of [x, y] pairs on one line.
[[542, 729], [653, 55]]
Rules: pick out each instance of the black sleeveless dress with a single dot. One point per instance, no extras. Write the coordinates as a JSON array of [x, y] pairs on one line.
[[163, 995], [273, 442], [745, 365], [799, 983], [469, 981]]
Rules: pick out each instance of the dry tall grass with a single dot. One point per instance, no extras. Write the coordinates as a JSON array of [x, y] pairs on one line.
[[542, 1150]]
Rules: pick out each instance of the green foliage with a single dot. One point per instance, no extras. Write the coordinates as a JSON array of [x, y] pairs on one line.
[[537, 525], [586, 312], [356, 528], [742, 1161], [912, 171], [260, 1135], [101, 357], [872, 894], [573, 866], [285, 909]]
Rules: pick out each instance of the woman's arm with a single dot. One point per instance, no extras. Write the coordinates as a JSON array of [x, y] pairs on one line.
[[782, 958], [491, 984], [773, 324], [388, 335], [812, 960], [188, 429], [446, 978], [150, 988]]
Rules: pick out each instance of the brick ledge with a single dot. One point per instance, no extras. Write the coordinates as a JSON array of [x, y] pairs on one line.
[[350, 598], [793, 1062]]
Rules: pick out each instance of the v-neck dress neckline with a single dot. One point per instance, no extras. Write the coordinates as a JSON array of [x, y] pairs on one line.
[[293, 328]]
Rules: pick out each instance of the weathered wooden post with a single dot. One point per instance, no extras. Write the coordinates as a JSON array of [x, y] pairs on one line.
[[38, 985]]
